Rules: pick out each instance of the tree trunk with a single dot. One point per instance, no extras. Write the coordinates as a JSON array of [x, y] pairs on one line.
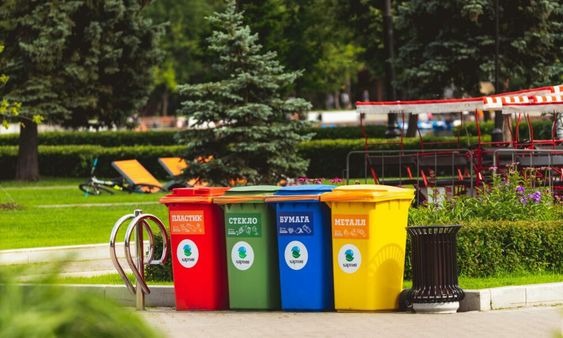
[[413, 122], [165, 98], [336, 100], [27, 167]]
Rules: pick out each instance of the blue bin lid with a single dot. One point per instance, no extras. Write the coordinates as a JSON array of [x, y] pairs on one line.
[[306, 189]]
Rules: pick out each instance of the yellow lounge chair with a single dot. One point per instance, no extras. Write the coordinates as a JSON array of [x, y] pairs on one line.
[[175, 166], [140, 178]]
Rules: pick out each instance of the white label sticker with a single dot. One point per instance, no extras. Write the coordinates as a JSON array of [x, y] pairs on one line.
[[349, 258], [296, 255], [187, 253], [242, 255]]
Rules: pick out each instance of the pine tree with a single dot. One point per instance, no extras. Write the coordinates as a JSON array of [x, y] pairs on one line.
[[248, 126]]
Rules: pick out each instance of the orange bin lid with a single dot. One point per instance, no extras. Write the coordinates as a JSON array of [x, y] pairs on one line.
[[367, 193], [193, 195]]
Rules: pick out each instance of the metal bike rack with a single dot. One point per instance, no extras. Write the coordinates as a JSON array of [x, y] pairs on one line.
[[137, 222]]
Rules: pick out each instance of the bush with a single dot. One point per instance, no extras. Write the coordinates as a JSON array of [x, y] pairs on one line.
[[167, 137], [76, 160], [488, 248], [103, 138], [510, 226], [40, 308], [159, 273], [327, 157], [541, 128], [348, 132], [510, 197]]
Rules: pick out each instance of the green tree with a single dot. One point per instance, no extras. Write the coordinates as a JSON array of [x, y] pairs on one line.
[[73, 61], [312, 36], [8, 110], [246, 130], [182, 45], [452, 43]]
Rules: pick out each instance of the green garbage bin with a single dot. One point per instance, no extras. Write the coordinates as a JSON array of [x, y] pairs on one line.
[[252, 254]]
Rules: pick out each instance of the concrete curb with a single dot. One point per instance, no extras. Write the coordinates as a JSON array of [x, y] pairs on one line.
[[160, 296], [507, 297]]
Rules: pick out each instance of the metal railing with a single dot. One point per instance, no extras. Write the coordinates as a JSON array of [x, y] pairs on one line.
[[550, 161], [137, 223], [420, 168]]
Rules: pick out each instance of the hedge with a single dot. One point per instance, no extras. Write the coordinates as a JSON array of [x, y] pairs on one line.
[[131, 138], [76, 160], [492, 248], [327, 157], [349, 132], [542, 129], [102, 138]]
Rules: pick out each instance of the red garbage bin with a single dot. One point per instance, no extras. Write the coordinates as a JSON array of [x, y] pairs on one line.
[[197, 235]]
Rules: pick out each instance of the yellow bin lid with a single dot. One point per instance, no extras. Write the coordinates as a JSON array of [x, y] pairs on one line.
[[367, 193]]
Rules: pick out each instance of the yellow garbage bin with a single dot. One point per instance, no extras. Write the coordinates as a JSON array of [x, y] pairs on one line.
[[368, 245]]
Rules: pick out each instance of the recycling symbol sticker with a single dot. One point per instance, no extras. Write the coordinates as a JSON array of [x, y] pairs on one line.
[[296, 255], [242, 255], [349, 258], [187, 253]]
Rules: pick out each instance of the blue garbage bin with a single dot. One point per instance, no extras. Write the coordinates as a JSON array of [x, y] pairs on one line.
[[304, 247]]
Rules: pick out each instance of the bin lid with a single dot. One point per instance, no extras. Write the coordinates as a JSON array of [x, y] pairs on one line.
[[193, 195], [306, 192], [246, 194], [367, 193]]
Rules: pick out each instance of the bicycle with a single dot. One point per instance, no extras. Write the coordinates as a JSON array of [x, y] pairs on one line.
[[96, 186]]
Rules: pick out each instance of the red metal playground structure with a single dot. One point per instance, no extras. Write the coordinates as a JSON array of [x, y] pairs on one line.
[[454, 169]]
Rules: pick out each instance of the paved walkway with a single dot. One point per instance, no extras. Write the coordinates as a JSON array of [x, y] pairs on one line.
[[526, 322]]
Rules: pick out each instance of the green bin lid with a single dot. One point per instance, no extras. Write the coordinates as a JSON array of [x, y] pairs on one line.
[[247, 194], [253, 190]]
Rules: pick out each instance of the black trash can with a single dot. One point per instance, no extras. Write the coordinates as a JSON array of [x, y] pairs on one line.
[[435, 286]]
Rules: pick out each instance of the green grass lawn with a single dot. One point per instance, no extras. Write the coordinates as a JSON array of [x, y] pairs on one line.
[[472, 283], [55, 212]]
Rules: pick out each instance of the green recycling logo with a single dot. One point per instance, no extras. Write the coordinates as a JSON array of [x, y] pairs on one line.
[[349, 258], [296, 255], [242, 252], [295, 252], [187, 253], [242, 255], [349, 255], [187, 250]]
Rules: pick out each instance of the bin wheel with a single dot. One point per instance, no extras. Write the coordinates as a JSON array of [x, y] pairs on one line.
[[404, 301]]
